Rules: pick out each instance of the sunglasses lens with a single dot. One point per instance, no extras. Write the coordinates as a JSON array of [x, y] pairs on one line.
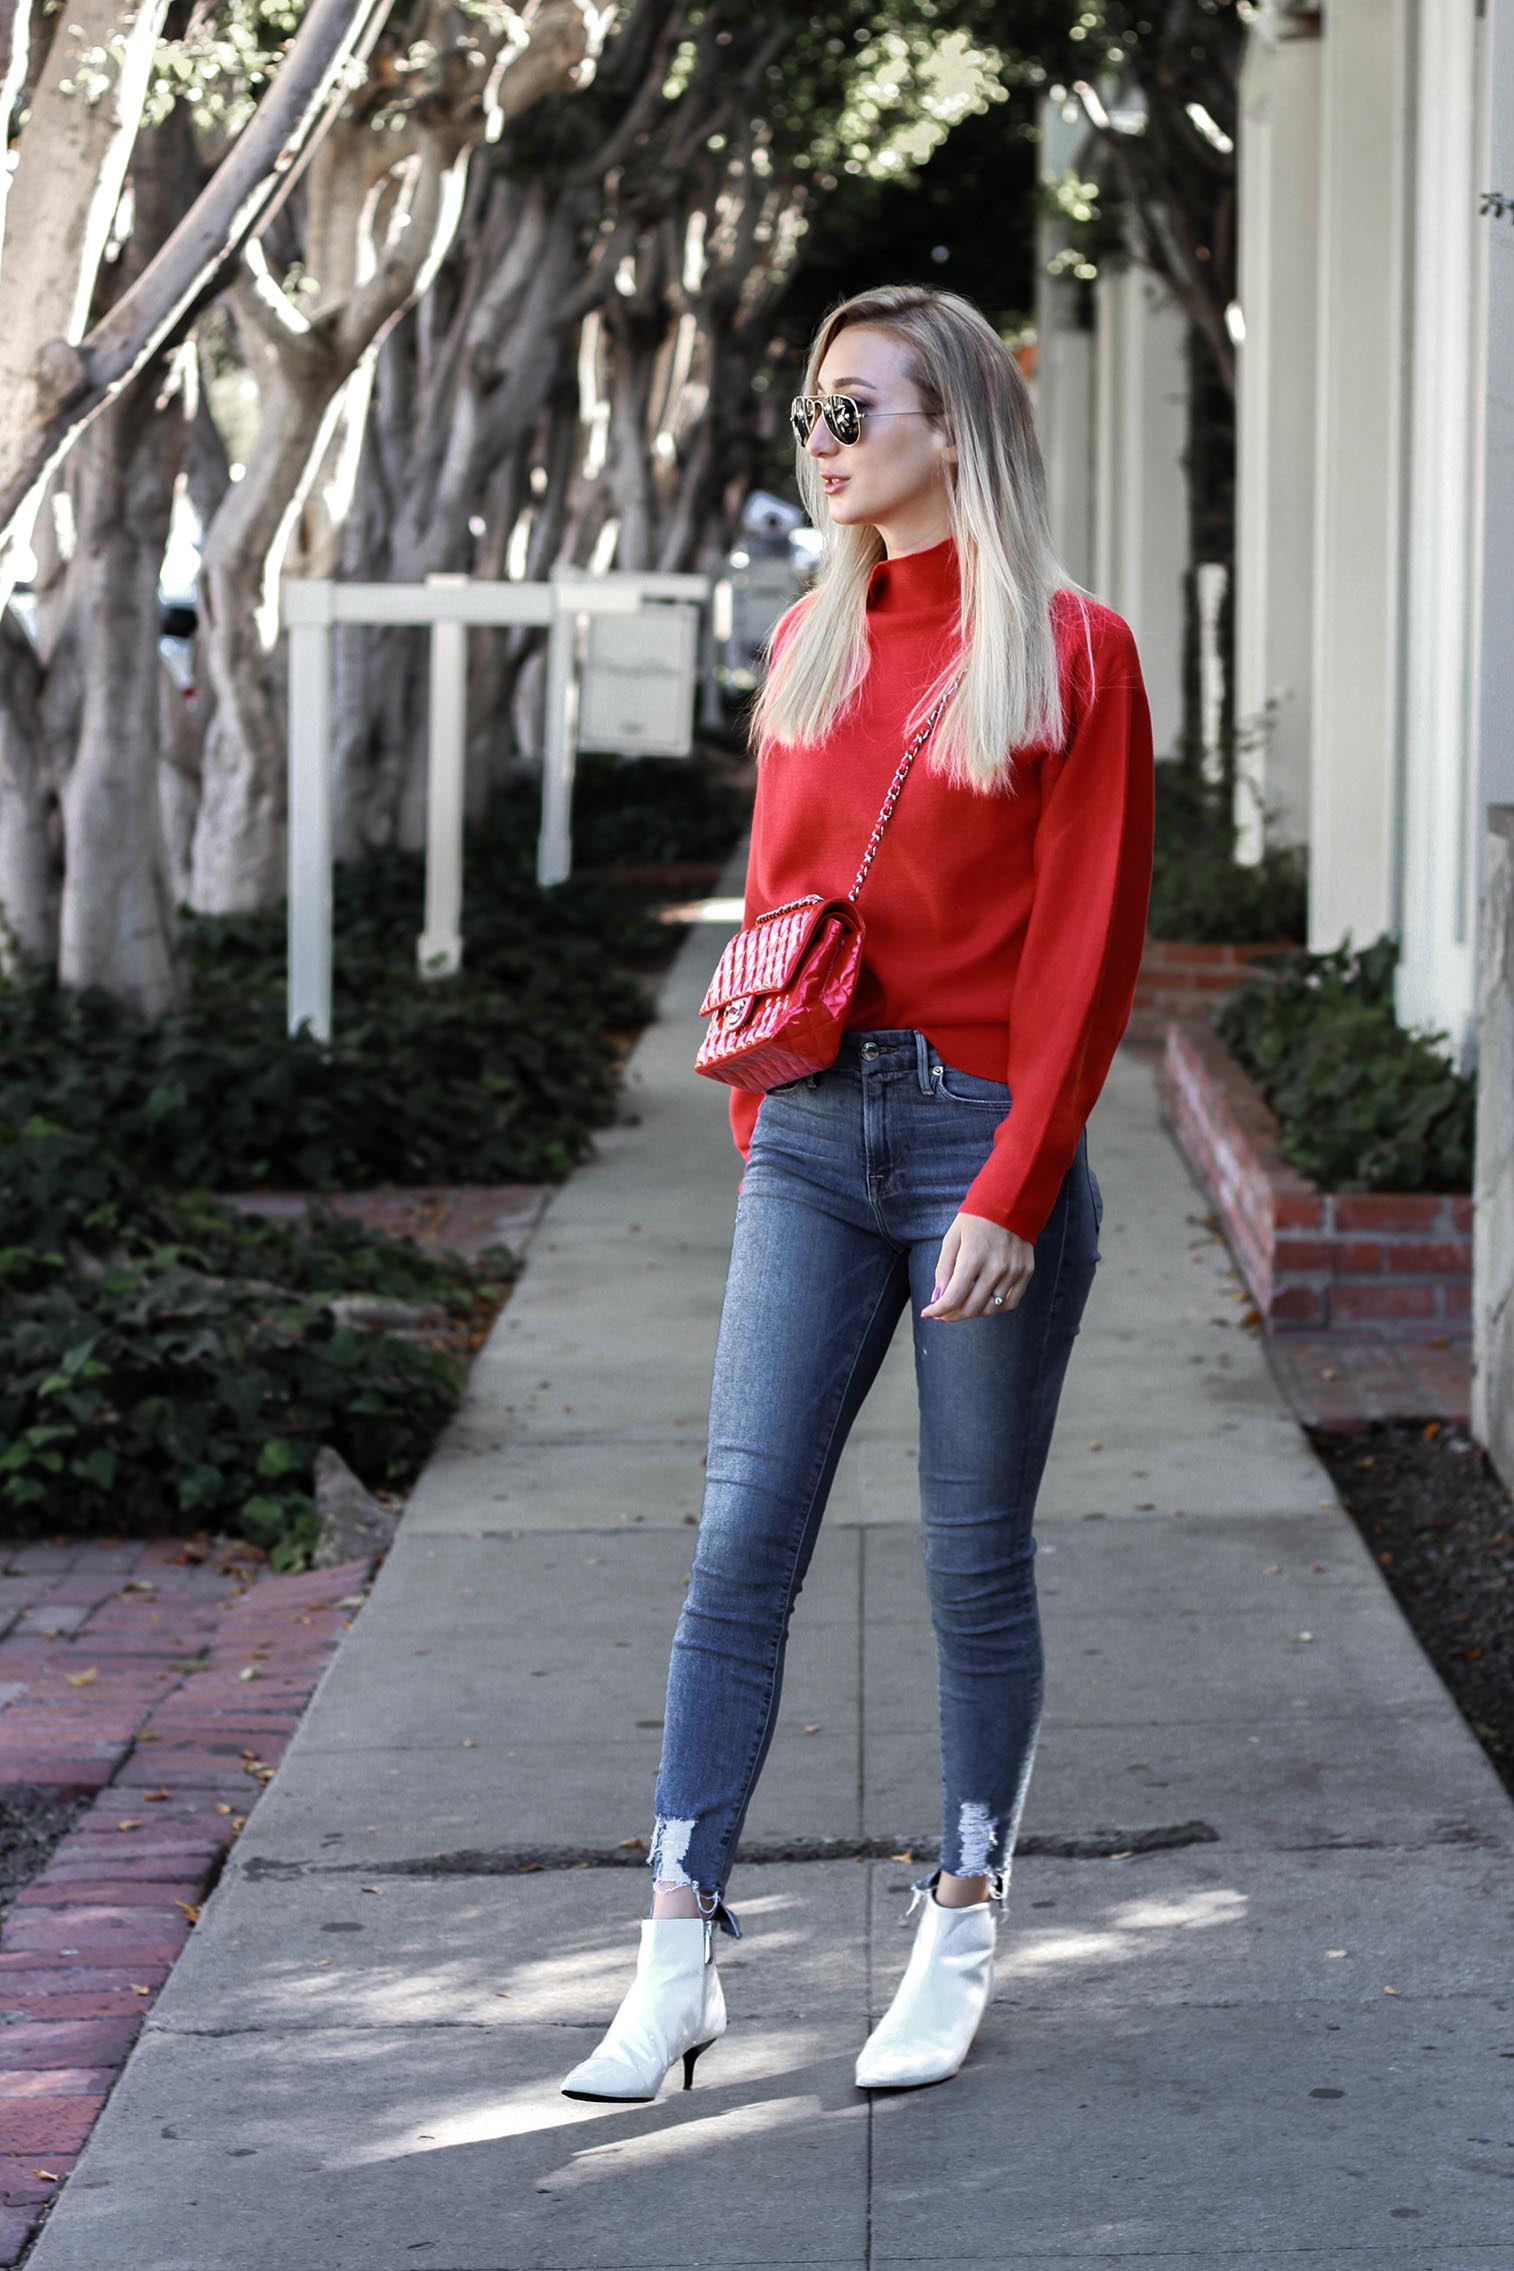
[[841, 416], [802, 418]]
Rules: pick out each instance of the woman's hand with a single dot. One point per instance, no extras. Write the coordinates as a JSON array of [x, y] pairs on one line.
[[978, 1259]]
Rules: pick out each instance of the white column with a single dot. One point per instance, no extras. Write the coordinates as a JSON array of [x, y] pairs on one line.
[[439, 949], [1064, 421], [1354, 719], [1492, 1411], [308, 612], [1494, 585], [1277, 199], [1062, 389], [1140, 511], [554, 843], [1444, 788]]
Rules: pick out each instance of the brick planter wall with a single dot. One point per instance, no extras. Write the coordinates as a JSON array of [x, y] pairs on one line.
[[1183, 981], [1388, 1262]]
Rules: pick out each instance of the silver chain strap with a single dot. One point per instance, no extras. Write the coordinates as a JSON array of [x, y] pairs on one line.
[[896, 785]]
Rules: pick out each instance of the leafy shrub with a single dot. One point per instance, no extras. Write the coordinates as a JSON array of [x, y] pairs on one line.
[[638, 812], [500, 1074], [149, 1394], [1362, 1104], [1200, 892], [167, 1361]]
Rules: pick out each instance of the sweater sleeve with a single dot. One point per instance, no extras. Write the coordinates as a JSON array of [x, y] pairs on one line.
[[1075, 985]]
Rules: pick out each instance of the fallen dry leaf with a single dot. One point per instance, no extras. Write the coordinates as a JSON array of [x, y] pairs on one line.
[[82, 1679], [190, 1908], [157, 1793], [140, 1990], [132, 1821]]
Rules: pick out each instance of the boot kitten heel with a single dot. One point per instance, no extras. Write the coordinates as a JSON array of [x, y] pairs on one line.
[[674, 2009]]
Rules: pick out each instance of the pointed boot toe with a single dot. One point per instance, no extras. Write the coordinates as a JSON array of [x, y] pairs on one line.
[[674, 2008], [928, 2028]]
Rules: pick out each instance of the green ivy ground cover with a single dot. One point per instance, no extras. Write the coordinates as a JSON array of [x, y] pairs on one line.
[[1200, 893], [1362, 1104], [167, 1362]]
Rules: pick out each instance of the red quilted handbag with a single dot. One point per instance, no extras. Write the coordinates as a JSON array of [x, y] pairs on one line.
[[777, 1003]]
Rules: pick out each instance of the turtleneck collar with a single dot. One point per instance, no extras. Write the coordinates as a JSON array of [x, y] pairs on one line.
[[916, 583]]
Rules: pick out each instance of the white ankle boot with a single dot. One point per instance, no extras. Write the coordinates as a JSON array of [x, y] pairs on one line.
[[927, 2030], [674, 2008]]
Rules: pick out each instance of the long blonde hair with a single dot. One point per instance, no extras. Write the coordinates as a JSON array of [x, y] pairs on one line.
[[1010, 696]]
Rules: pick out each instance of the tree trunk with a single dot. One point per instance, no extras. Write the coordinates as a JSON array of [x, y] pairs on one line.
[[70, 168], [455, 406], [117, 928], [238, 852], [62, 198], [376, 239], [30, 866]]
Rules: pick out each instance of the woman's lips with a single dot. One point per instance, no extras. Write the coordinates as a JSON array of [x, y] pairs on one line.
[[834, 481]]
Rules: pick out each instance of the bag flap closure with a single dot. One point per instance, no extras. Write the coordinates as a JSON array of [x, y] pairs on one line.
[[763, 958]]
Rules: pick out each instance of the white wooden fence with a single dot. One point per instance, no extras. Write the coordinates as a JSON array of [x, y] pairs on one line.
[[449, 605]]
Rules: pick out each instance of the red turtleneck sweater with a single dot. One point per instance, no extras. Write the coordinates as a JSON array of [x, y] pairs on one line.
[[1008, 927]]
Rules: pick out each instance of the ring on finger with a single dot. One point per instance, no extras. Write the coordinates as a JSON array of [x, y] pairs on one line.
[[998, 1301]]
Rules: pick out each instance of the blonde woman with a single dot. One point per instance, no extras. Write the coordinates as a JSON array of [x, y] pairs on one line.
[[940, 1162]]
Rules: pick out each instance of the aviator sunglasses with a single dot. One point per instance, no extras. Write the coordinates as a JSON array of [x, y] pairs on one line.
[[843, 416]]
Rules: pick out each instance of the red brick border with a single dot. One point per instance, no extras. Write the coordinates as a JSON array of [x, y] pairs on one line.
[[1179, 980], [1389, 1262], [97, 1694]]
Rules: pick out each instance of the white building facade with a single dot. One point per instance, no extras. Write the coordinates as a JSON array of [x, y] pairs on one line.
[[1374, 571]]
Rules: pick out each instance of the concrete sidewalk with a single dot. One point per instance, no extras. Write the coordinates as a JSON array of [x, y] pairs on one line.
[[1254, 2001]]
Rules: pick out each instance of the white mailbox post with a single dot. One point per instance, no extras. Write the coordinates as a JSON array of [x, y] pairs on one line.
[[636, 694], [449, 604]]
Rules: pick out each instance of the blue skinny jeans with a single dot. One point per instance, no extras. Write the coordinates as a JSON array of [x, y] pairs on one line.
[[854, 1178]]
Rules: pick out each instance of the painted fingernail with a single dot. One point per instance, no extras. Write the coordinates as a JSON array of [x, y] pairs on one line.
[[935, 1293]]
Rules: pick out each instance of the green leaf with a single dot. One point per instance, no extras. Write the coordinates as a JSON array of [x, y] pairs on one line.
[[280, 1457]]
